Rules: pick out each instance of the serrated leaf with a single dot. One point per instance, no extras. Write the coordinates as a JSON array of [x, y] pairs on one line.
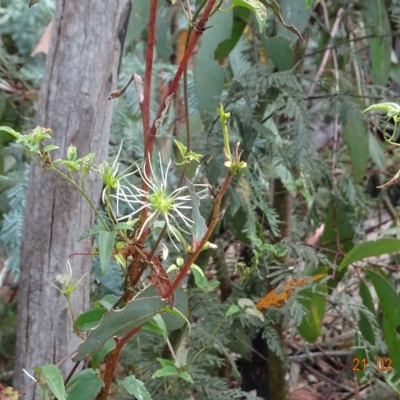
[[136, 388], [71, 153], [106, 245], [8, 393], [54, 379], [85, 385], [119, 322], [257, 7], [88, 159]]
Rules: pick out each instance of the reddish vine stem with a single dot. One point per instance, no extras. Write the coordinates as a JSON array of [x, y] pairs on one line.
[[197, 32], [112, 360], [214, 220], [150, 134], [149, 71]]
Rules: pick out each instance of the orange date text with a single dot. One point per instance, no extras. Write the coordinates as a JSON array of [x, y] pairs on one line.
[[381, 364]]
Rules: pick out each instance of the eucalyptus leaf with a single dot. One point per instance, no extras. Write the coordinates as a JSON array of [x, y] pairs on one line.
[[118, 323]]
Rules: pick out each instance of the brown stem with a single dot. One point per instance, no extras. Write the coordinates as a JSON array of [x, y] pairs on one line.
[[197, 31], [214, 220], [149, 72], [112, 361]]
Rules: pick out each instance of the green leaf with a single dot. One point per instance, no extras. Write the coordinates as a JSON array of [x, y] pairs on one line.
[[376, 22], [356, 136], [161, 324], [337, 227], [225, 47], [120, 322], [389, 302], [208, 75], [90, 319], [364, 326], [199, 279], [173, 318], [371, 248], [138, 19], [181, 147], [85, 385], [233, 309], [166, 371], [315, 304], [10, 131], [136, 388], [50, 147], [309, 3], [99, 356], [293, 19], [106, 245], [388, 107], [88, 159], [363, 323], [257, 7], [25, 138], [177, 313], [108, 301], [199, 227], [168, 368], [92, 231], [122, 225], [186, 376], [157, 325], [376, 152], [54, 379], [71, 153], [165, 363], [280, 51]]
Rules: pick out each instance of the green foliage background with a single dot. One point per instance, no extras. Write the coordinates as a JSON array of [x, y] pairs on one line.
[[263, 79]]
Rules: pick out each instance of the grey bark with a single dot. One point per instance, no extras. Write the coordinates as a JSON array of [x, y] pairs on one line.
[[81, 70]]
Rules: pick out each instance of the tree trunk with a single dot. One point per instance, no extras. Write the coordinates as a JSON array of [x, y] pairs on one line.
[[81, 70]]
